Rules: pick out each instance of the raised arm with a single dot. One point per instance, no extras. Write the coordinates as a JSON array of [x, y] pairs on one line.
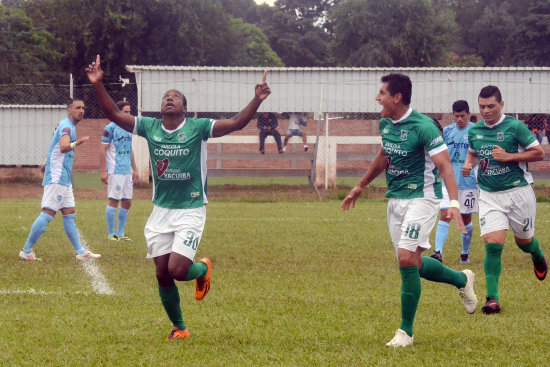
[[95, 75], [240, 120]]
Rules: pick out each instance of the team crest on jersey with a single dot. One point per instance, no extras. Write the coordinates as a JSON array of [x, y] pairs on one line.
[[106, 134], [182, 137], [162, 166], [484, 164], [66, 130], [500, 136], [59, 198], [404, 134]]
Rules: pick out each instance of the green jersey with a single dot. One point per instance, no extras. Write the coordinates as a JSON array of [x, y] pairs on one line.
[[513, 136], [178, 161], [408, 145]]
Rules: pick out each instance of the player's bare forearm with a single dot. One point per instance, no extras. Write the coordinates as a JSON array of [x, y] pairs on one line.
[[110, 109], [442, 161], [237, 122], [377, 166], [534, 154]]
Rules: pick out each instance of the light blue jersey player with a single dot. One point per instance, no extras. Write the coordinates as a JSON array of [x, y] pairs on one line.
[[456, 138], [117, 162], [58, 188]]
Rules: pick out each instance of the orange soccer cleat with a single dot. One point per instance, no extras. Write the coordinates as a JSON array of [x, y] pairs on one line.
[[178, 334], [203, 284]]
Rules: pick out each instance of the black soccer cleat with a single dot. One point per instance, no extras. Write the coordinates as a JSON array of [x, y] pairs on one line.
[[541, 268], [492, 306], [438, 256]]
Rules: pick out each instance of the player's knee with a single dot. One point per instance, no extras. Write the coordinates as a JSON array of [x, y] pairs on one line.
[[179, 273]]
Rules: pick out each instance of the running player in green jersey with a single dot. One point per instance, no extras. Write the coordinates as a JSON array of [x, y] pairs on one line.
[[503, 145], [413, 151], [177, 148]]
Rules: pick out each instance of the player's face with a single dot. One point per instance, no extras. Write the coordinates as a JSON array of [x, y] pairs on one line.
[[387, 101], [76, 111], [461, 118], [126, 109], [490, 109], [172, 103]]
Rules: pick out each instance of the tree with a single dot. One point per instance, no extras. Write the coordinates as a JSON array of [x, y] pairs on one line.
[[391, 33], [532, 38]]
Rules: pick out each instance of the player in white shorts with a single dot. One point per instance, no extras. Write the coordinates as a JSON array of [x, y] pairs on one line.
[[119, 173], [177, 148], [412, 153], [456, 138], [501, 146], [58, 188]]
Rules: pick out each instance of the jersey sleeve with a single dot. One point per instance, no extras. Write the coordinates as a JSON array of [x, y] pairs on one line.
[[64, 129], [525, 137], [107, 135], [143, 124], [431, 138], [205, 128]]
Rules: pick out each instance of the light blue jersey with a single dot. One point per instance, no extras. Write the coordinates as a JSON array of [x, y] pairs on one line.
[[118, 159], [457, 142], [59, 166]]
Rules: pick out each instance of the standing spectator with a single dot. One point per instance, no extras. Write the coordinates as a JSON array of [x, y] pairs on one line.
[[537, 125], [295, 123], [503, 145], [267, 124], [412, 154], [58, 188], [119, 173]]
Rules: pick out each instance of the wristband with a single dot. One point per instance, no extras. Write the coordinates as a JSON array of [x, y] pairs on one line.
[[455, 204], [73, 145]]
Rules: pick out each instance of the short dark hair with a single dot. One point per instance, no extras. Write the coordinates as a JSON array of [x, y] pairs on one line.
[[399, 83], [121, 104], [491, 91], [461, 105], [473, 118], [73, 100], [184, 100]]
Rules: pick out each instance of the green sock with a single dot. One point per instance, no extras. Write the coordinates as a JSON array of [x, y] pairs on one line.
[[435, 271], [533, 248], [197, 270], [170, 298], [493, 267], [410, 295]]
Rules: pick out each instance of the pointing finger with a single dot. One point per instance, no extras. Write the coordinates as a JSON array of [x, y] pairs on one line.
[[265, 76], [97, 60]]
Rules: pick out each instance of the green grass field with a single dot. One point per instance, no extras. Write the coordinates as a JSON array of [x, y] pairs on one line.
[[293, 284]]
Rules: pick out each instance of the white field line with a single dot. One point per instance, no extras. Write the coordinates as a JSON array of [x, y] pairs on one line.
[[34, 292], [99, 282]]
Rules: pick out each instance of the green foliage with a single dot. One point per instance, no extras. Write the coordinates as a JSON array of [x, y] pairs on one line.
[[533, 35], [293, 284], [391, 33]]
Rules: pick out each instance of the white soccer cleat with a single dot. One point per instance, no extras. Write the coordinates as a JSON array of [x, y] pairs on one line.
[[401, 339], [467, 293], [28, 257], [88, 255]]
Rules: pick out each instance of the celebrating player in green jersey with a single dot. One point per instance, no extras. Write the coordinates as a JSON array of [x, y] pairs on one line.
[[177, 148], [413, 151], [503, 145]]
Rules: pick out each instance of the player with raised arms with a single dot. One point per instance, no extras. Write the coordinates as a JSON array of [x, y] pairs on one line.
[[177, 149]]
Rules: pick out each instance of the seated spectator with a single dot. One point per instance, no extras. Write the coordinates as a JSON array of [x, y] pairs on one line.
[[267, 124], [295, 123], [537, 124]]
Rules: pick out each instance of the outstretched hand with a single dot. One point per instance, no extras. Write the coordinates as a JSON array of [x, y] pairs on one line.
[[94, 72], [262, 89]]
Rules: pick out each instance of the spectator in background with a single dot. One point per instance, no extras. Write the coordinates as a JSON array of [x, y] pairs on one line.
[[537, 124], [473, 118], [295, 123], [119, 172], [267, 124]]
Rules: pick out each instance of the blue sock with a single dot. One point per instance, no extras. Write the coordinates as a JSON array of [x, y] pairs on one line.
[[38, 227], [122, 217], [72, 233], [467, 238], [441, 235], [110, 214]]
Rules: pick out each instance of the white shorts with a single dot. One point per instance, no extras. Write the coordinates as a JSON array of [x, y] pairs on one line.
[[468, 200], [57, 197], [515, 208], [174, 230], [120, 187], [411, 221]]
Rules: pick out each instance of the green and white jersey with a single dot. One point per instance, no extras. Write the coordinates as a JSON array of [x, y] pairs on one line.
[[514, 137], [408, 145], [178, 160]]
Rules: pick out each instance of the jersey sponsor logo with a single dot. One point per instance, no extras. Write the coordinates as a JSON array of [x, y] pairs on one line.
[[500, 136], [412, 186], [516, 183], [195, 194], [66, 130], [483, 164], [404, 134], [436, 140], [392, 148], [388, 161], [171, 152], [162, 166], [182, 137], [479, 136]]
